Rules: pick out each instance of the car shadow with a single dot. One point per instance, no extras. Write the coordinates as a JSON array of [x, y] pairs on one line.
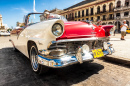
[[15, 70]]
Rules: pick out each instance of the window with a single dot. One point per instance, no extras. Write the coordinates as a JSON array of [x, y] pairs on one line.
[[98, 18], [75, 15], [110, 16], [118, 4], [98, 9], [66, 16], [104, 8], [79, 19], [126, 2], [86, 12], [104, 17], [91, 18], [111, 7], [126, 13], [91, 11], [118, 15], [79, 14], [82, 13], [87, 19], [82, 19], [70, 15]]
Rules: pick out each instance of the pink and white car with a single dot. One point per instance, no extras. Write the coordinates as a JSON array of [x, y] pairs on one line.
[[58, 43]]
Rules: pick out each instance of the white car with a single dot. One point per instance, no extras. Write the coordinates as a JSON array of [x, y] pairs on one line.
[[4, 33], [52, 41]]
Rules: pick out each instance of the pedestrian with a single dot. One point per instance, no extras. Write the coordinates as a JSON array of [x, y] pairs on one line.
[[124, 27], [114, 29]]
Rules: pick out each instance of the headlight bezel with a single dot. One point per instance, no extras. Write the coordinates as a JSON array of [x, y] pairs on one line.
[[61, 27], [85, 48]]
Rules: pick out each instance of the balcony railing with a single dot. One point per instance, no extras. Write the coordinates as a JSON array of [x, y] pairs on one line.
[[122, 8], [126, 16], [112, 18], [104, 19]]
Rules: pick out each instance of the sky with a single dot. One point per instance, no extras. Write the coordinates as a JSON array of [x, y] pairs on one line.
[[14, 10]]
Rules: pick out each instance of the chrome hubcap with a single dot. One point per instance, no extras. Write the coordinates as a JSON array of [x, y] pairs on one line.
[[34, 59]]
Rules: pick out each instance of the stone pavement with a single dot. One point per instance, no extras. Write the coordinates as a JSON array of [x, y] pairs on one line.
[[122, 48]]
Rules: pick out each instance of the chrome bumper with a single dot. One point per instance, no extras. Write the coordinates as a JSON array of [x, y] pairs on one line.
[[68, 59]]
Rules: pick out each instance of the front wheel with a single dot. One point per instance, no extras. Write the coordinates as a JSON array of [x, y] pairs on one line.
[[37, 68]]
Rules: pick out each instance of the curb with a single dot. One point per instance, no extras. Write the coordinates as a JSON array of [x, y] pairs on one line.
[[116, 59]]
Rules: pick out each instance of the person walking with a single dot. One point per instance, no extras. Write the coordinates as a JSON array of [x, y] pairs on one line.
[[114, 28], [124, 27]]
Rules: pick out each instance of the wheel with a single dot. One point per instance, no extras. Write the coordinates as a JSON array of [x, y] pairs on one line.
[[37, 68]]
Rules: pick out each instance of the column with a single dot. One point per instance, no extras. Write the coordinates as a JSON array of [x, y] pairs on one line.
[[84, 12]]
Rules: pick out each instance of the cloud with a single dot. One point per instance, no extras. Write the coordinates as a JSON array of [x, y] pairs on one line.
[[24, 11]]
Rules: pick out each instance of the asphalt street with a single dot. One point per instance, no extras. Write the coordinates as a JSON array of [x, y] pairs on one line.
[[15, 70]]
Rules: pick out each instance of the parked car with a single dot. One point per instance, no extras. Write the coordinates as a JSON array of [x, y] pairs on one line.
[[56, 42], [128, 30], [4, 33]]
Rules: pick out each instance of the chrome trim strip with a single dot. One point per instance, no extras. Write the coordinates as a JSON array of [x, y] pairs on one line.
[[82, 39]]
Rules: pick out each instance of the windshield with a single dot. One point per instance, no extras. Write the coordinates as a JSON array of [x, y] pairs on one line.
[[52, 16], [39, 17]]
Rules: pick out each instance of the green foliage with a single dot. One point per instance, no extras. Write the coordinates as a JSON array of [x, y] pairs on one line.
[[9, 30]]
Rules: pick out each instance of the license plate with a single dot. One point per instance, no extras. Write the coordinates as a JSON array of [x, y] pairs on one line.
[[97, 53]]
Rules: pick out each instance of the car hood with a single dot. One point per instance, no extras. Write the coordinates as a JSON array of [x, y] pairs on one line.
[[77, 30]]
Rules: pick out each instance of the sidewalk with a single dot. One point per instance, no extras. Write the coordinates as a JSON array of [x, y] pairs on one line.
[[122, 49]]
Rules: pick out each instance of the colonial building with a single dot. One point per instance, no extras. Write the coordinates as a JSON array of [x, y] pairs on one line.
[[122, 12], [93, 10], [1, 24], [55, 11]]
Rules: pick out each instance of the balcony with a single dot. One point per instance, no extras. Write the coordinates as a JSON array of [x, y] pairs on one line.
[[125, 17], [111, 18], [104, 19], [76, 16], [101, 12], [112, 10], [87, 14], [91, 14], [122, 8]]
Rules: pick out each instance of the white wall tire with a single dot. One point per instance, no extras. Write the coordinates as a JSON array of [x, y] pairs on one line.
[[37, 68]]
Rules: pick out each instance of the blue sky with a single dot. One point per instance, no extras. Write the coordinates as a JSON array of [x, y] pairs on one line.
[[14, 10]]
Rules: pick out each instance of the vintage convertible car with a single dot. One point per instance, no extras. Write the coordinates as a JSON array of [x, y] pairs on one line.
[[55, 42]]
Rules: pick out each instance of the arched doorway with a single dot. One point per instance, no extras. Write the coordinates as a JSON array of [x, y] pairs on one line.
[[118, 4], [110, 23], [118, 24], [126, 2], [104, 8], [98, 9], [111, 7], [103, 23]]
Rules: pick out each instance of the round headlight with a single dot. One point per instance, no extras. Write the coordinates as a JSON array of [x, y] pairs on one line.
[[57, 30], [105, 46], [85, 48]]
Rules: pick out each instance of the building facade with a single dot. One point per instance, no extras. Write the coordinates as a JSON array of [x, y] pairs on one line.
[[122, 12], [93, 10], [1, 24]]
